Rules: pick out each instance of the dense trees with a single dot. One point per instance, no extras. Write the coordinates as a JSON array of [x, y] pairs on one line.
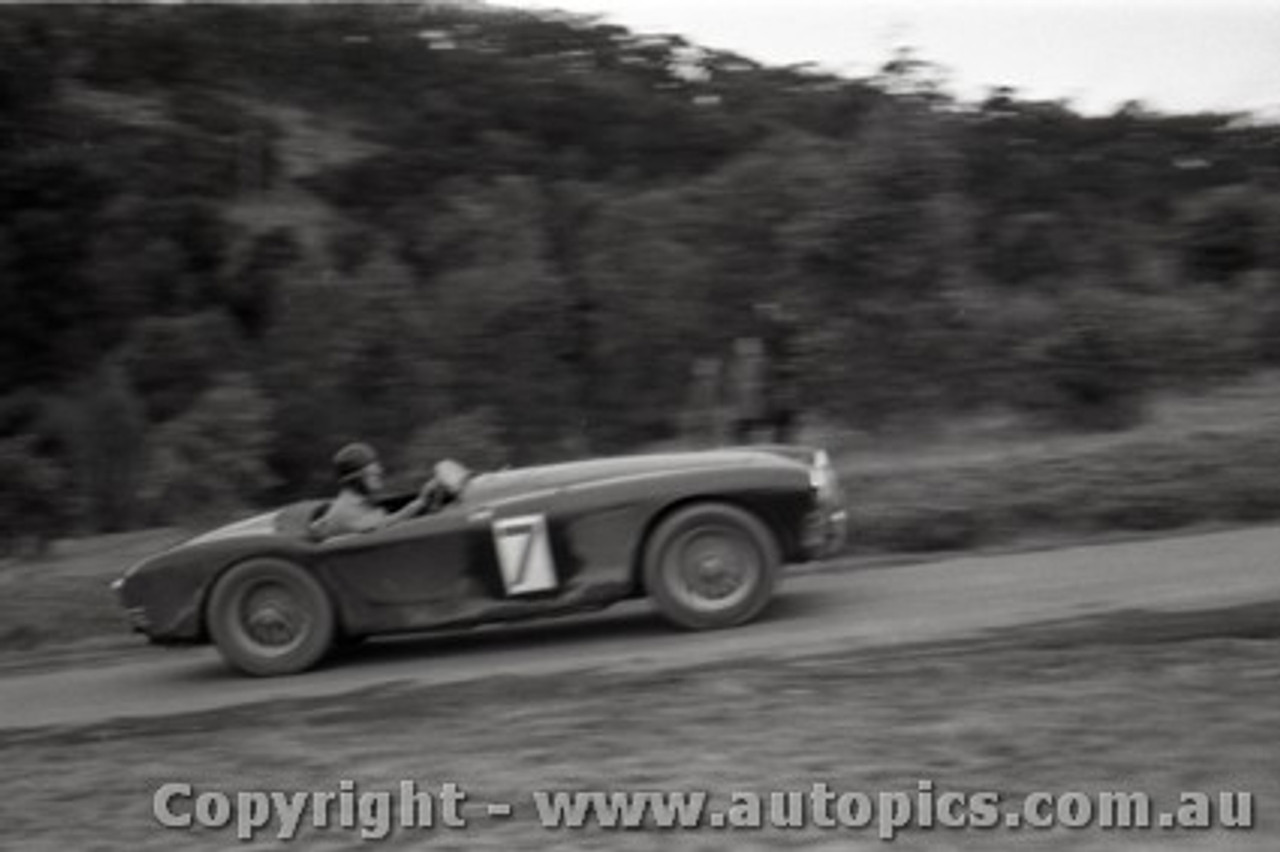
[[232, 238]]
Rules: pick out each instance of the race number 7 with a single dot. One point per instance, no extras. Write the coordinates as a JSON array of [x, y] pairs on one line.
[[524, 554]]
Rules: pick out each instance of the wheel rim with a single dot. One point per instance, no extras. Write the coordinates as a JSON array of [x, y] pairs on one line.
[[272, 618], [712, 569]]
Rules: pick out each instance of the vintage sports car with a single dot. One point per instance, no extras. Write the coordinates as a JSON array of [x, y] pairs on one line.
[[703, 534]]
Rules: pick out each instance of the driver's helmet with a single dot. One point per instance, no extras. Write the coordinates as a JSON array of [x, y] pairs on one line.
[[349, 461]]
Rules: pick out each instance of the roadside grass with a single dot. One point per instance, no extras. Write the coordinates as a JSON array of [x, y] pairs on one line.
[[1031, 711], [1211, 459], [65, 597]]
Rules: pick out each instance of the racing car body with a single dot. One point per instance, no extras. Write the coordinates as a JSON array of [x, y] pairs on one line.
[[702, 533]]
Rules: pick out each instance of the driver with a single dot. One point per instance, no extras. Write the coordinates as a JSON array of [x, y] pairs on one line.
[[354, 510]]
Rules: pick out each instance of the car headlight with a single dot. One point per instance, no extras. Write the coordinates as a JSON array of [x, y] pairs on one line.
[[822, 478]]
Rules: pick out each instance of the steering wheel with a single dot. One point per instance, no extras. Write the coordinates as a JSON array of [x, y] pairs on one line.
[[449, 480], [452, 476]]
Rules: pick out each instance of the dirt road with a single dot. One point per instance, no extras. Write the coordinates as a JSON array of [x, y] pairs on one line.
[[955, 598]]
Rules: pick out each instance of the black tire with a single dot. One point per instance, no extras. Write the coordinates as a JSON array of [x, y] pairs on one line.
[[711, 565], [269, 617]]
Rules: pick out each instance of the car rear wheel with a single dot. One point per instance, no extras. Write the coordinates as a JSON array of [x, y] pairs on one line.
[[711, 565], [270, 617]]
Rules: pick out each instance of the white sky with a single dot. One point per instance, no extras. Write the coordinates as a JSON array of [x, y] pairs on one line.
[[1176, 55]]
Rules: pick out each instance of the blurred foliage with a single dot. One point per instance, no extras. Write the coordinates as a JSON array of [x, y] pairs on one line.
[[1146, 481], [250, 234], [1228, 232], [1086, 367], [172, 360], [33, 507], [104, 426], [209, 460], [472, 437]]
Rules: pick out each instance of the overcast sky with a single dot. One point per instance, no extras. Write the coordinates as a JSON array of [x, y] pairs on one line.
[[1175, 55]]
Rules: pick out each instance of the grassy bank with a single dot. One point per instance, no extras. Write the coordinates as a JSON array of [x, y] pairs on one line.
[[65, 598], [1213, 458]]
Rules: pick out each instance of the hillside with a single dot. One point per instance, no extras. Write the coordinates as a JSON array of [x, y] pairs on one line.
[[232, 237]]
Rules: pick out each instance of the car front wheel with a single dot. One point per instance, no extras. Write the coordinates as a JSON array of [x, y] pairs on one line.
[[711, 565], [270, 617]]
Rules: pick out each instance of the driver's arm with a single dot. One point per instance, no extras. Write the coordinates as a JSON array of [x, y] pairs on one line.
[[411, 509], [417, 505]]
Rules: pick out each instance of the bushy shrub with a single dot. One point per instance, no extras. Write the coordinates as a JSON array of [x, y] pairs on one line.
[[211, 459], [172, 360], [104, 426], [1228, 231], [1086, 371], [33, 505]]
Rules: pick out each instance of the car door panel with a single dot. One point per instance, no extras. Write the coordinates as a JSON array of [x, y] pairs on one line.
[[424, 560]]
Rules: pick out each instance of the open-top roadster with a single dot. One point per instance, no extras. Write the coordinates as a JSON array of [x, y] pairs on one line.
[[703, 534]]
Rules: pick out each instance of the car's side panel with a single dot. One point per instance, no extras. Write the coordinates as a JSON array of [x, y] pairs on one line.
[[445, 571], [605, 539], [417, 574], [779, 497], [416, 562], [596, 534]]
